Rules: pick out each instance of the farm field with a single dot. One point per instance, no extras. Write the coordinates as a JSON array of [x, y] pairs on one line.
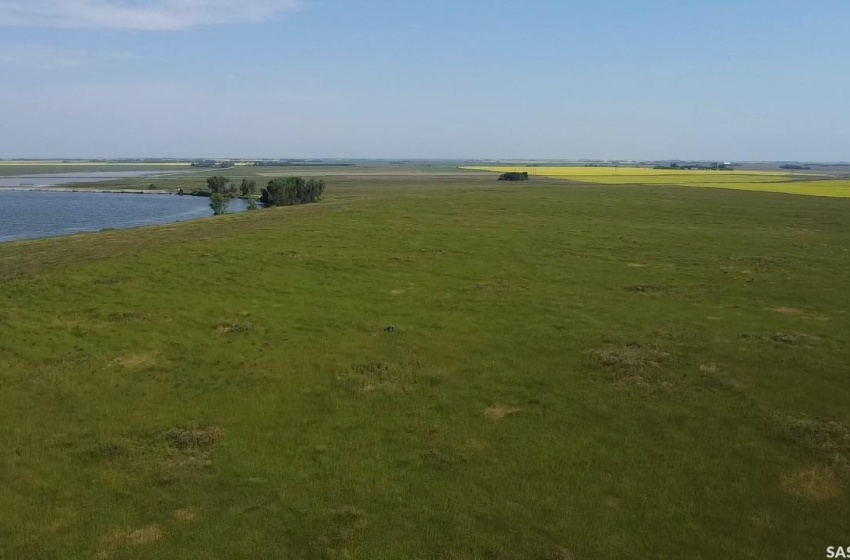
[[434, 367], [805, 183], [31, 167]]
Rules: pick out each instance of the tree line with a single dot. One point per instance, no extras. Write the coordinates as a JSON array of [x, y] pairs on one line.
[[514, 176], [283, 191]]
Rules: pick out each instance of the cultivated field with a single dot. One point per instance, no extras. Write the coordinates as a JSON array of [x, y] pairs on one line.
[[434, 367], [31, 167], [806, 183]]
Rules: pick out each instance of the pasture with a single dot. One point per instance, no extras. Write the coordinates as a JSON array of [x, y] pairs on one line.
[[434, 367]]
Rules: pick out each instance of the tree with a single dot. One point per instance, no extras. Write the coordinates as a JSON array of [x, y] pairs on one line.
[[221, 193], [287, 191], [248, 188], [218, 203], [514, 176]]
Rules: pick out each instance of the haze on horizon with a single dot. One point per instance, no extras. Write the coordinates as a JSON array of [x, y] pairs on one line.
[[724, 80]]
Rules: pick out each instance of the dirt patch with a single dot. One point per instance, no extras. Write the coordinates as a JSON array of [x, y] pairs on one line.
[[708, 368], [816, 484], [500, 411], [127, 538]]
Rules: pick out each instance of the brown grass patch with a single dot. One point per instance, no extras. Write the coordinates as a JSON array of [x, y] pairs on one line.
[[141, 360], [817, 484], [499, 411], [129, 537], [787, 310], [829, 438], [563, 554], [234, 328], [194, 438], [192, 447], [378, 376], [634, 361], [185, 515], [791, 339], [613, 503]]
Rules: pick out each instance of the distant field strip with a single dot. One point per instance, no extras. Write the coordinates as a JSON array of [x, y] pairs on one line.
[[95, 163], [768, 181]]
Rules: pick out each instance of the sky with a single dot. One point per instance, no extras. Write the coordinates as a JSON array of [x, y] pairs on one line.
[[743, 80]]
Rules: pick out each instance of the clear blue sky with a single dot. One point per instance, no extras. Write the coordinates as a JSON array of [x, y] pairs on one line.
[[729, 80]]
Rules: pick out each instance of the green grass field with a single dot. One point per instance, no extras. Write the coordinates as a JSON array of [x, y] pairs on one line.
[[574, 372]]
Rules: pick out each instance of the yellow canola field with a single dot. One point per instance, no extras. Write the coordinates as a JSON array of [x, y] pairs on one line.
[[767, 181]]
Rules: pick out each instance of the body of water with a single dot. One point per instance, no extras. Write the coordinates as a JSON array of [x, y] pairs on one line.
[[31, 214]]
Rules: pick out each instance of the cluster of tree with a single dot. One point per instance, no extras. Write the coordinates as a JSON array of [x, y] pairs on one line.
[[794, 166], [303, 163], [213, 164], [286, 191], [690, 166], [514, 176], [222, 192]]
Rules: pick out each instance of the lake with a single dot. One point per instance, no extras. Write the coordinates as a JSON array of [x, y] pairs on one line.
[[32, 214]]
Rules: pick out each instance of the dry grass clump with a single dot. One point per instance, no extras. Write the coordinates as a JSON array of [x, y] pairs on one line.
[[816, 484], [194, 438], [127, 537], [378, 376], [830, 438], [234, 328], [634, 361], [499, 411]]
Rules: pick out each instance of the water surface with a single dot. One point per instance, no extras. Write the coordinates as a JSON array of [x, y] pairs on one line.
[[32, 214]]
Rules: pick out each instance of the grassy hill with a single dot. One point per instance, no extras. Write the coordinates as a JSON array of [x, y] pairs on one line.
[[434, 367]]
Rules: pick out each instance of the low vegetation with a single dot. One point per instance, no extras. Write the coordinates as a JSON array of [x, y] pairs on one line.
[[434, 367]]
